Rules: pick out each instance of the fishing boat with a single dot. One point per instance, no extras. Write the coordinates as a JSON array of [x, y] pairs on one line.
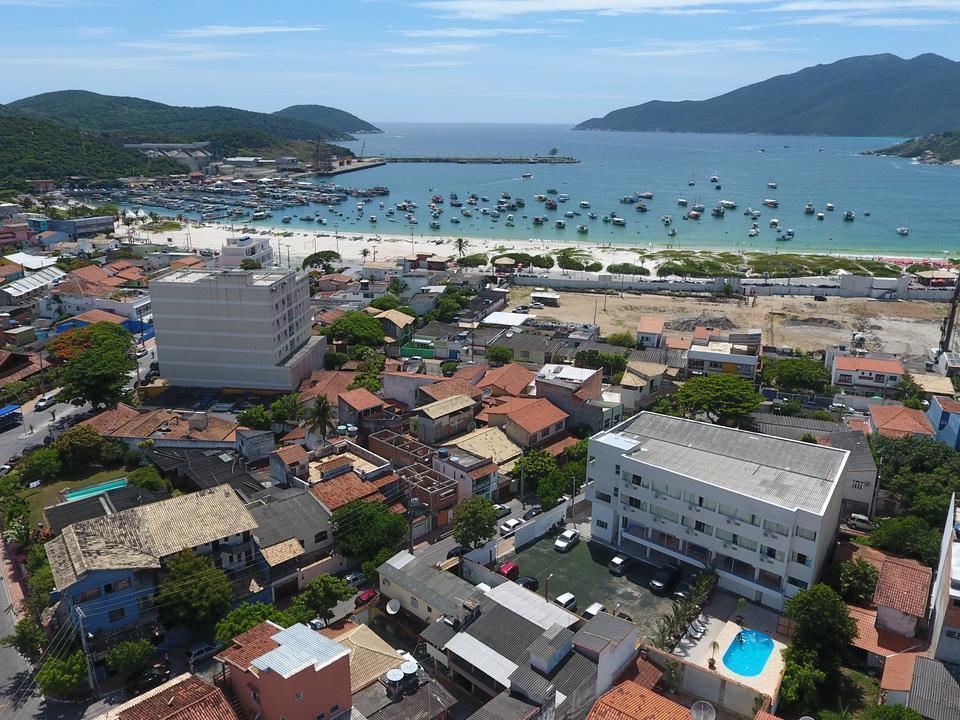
[[526, 176], [774, 223], [820, 216], [808, 209], [753, 232], [645, 195], [641, 207], [830, 207], [455, 220], [260, 215], [550, 204], [789, 234], [718, 211], [466, 213], [902, 230], [849, 216], [619, 221], [539, 198], [584, 204], [866, 213], [682, 202], [373, 218], [691, 182], [754, 214], [434, 224], [699, 207], [628, 199], [728, 205], [505, 195], [672, 232], [772, 185], [666, 219], [436, 199], [286, 220], [693, 214], [592, 215], [538, 219], [560, 224], [771, 203], [453, 196], [569, 214], [583, 229]]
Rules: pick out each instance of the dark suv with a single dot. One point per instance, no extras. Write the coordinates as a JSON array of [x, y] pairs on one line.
[[664, 578]]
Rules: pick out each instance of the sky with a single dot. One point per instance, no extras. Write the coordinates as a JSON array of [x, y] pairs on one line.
[[539, 61]]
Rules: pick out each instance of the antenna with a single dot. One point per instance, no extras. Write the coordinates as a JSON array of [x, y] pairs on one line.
[[702, 710]]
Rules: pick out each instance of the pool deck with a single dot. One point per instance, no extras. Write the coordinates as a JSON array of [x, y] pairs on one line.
[[721, 628]]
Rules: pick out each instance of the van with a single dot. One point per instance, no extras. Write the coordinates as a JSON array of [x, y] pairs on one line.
[[618, 565], [568, 601], [595, 609], [860, 522], [509, 570]]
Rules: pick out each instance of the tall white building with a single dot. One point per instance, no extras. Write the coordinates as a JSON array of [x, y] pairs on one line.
[[246, 247], [235, 328], [760, 510]]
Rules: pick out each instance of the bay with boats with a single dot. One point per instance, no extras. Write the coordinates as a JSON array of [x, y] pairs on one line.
[[687, 191]]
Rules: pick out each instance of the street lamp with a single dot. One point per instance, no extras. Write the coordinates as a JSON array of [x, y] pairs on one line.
[[546, 587]]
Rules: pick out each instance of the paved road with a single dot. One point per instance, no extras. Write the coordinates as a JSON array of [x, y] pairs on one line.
[[14, 440]]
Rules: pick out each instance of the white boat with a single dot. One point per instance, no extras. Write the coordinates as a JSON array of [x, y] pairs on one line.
[[672, 232], [902, 230], [753, 232], [434, 224], [455, 220], [714, 178], [682, 202], [667, 219], [584, 204], [830, 206], [809, 209], [774, 223], [562, 198], [728, 205], [618, 221], [771, 203], [560, 224], [582, 229], [526, 176], [849, 216], [373, 218], [820, 216], [772, 185]]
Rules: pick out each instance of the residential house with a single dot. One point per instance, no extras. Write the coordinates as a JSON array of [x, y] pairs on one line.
[[72, 296], [713, 353], [401, 450], [894, 421], [928, 686], [529, 422], [481, 462], [185, 697], [289, 674], [191, 469], [433, 496], [403, 386], [327, 384], [510, 379], [165, 428], [397, 326], [15, 366], [105, 568], [631, 701], [944, 417], [355, 405], [667, 489], [865, 374], [642, 383], [254, 444], [860, 474], [650, 331], [109, 502], [447, 388], [32, 288], [579, 393], [245, 247], [528, 346], [441, 420]]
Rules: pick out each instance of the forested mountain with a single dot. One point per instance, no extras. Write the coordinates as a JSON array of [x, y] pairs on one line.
[[329, 117], [135, 118], [934, 149], [872, 95]]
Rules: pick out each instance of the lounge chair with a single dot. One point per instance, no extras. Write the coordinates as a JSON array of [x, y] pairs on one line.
[[693, 632]]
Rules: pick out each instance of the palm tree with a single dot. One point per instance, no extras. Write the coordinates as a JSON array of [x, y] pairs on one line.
[[365, 253], [461, 244], [396, 286], [320, 418]]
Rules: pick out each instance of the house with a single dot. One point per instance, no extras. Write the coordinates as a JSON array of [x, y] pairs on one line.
[[860, 473], [433, 496], [445, 418], [397, 326], [928, 686], [632, 701], [642, 383], [355, 405], [109, 502], [166, 428], [865, 374], [30, 288], [401, 450], [428, 393], [254, 444], [665, 489], [245, 247], [579, 393], [192, 469], [185, 697], [902, 596], [713, 353], [102, 567], [74, 295], [527, 347], [16, 366], [650, 331], [288, 674], [529, 422], [894, 421], [934, 384], [324, 383], [510, 379], [944, 417], [481, 461], [403, 386]]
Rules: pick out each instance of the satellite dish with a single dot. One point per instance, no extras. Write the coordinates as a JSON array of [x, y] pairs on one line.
[[702, 710], [806, 717], [393, 607]]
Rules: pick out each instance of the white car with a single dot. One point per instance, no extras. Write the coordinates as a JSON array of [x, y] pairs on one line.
[[510, 526], [47, 401], [355, 578], [567, 539]]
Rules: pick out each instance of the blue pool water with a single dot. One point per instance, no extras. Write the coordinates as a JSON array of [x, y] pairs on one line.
[[95, 489], [747, 658]]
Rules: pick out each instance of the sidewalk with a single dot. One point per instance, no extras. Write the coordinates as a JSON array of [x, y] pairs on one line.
[[11, 580]]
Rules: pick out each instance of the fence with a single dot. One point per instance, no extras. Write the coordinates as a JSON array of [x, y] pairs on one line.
[[476, 573], [533, 530]]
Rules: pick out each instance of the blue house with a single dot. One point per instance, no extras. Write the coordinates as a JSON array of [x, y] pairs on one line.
[[107, 569], [944, 416]]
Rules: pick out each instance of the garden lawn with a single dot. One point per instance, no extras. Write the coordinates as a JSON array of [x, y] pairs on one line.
[[46, 495]]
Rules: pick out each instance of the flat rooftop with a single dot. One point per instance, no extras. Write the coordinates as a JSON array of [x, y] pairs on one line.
[[263, 278], [359, 465], [789, 473]]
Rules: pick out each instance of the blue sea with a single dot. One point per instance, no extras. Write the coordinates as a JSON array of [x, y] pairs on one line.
[[885, 193]]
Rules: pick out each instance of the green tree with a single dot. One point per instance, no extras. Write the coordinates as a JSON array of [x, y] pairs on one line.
[[388, 301], [193, 593], [319, 417], [249, 615], [474, 522], [114, 452], [322, 595], [891, 712], [858, 581], [396, 286], [909, 392], [334, 360], [323, 260], [148, 478], [909, 536], [62, 677], [254, 417], [499, 355], [623, 339], [449, 367], [824, 628], [802, 679], [560, 482], [286, 408], [362, 528], [612, 363], [801, 373], [41, 464], [80, 446], [250, 264], [369, 567], [534, 466], [357, 328], [129, 656], [475, 260], [96, 364], [28, 639], [724, 397]]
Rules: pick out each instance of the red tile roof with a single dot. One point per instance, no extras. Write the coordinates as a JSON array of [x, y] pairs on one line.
[[874, 640], [361, 399], [251, 644], [111, 419], [896, 421], [190, 698], [651, 324], [92, 273], [500, 408], [903, 585], [328, 383], [328, 317], [557, 447], [449, 388], [677, 343], [96, 315], [292, 454], [511, 378], [538, 415], [764, 715], [701, 332], [123, 421], [854, 363], [949, 405], [347, 487], [298, 433], [644, 673], [898, 672], [470, 372], [630, 701]]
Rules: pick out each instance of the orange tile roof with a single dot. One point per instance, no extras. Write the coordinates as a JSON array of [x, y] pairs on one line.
[[873, 640], [644, 673], [500, 408], [251, 644], [650, 324], [538, 415], [112, 418], [292, 454], [630, 701], [903, 585], [511, 378], [898, 421], [114, 281], [330, 316], [854, 363], [677, 343], [328, 383], [122, 421], [347, 487], [861, 425], [118, 265], [470, 372], [557, 447], [91, 273], [298, 433], [701, 332], [361, 399], [186, 262], [764, 715], [96, 315], [449, 388], [949, 405], [898, 672], [190, 698]]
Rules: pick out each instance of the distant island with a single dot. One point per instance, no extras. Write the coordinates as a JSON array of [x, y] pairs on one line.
[[936, 149], [871, 95]]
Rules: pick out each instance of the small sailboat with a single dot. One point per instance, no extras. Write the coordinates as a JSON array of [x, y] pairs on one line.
[[753, 232], [830, 207], [584, 204], [820, 216]]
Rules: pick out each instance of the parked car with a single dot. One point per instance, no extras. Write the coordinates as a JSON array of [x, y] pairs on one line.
[[595, 609], [566, 541], [355, 578], [45, 401], [457, 551], [502, 510], [533, 512], [528, 582], [567, 601], [860, 522], [318, 623], [142, 352], [366, 597], [148, 679], [199, 652], [509, 570], [619, 564], [510, 527], [664, 578], [683, 588]]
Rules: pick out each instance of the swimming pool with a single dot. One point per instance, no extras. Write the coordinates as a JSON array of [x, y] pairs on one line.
[[748, 653], [95, 489]]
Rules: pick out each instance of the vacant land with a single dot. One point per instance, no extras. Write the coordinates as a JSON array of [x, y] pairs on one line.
[[905, 328]]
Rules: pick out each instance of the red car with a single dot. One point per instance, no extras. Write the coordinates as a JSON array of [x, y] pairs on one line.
[[366, 597]]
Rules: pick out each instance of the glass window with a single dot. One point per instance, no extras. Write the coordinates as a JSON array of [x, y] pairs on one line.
[[770, 552], [413, 602], [723, 535], [775, 527], [320, 536], [664, 513], [116, 614], [617, 470], [603, 497], [87, 595], [802, 559], [602, 524], [806, 534], [796, 583], [637, 503], [745, 542]]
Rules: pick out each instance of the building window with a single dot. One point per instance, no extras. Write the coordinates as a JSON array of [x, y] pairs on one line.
[[845, 378], [664, 513], [602, 524], [952, 634], [771, 553], [298, 697], [616, 491], [87, 595], [603, 497], [413, 602], [806, 534], [616, 470], [796, 583], [802, 559], [116, 614], [116, 586], [858, 484], [320, 536], [637, 503], [776, 527]]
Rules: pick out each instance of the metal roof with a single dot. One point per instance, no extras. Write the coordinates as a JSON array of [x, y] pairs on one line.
[[34, 281], [282, 514], [482, 657], [300, 648], [532, 606], [935, 691], [507, 707]]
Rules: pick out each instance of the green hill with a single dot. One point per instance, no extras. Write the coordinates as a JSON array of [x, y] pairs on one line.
[[872, 95], [35, 149], [933, 149], [145, 119], [329, 117]]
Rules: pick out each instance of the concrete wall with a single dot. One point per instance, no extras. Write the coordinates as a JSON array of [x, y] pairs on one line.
[[538, 527], [476, 573]]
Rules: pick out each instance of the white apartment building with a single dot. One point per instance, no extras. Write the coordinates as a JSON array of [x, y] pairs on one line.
[[235, 328], [762, 511], [246, 247], [945, 598], [713, 354]]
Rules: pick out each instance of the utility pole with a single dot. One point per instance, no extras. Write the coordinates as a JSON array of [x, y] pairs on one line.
[[91, 679], [523, 473]]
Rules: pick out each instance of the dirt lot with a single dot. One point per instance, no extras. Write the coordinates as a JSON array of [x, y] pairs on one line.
[[905, 328]]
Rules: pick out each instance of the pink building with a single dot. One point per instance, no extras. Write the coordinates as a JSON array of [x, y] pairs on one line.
[[289, 674]]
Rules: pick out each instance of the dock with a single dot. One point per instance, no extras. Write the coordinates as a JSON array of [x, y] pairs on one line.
[[535, 160]]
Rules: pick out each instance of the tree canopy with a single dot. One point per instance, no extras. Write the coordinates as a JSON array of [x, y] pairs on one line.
[[801, 373], [323, 260], [499, 355], [80, 446], [193, 593], [96, 364], [129, 656], [363, 528], [249, 615], [62, 677], [474, 521], [357, 328], [824, 628], [719, 397], [322, 595], [909, 536], [858, 581]]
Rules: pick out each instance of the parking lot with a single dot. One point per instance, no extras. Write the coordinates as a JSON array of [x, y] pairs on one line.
[[583, 571]]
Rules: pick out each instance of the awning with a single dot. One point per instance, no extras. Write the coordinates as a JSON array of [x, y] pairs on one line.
[[9, 409]]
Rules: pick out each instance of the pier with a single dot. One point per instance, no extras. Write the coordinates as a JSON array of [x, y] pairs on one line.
[[535, 160]]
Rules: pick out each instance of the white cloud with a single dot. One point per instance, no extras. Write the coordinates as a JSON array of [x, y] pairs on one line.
[[429, 64], [211, 31], [865, 5], [676, 48], [185, 51], [462, 32], [492, 9], [434, 49], [850, 20], [95, 31]]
